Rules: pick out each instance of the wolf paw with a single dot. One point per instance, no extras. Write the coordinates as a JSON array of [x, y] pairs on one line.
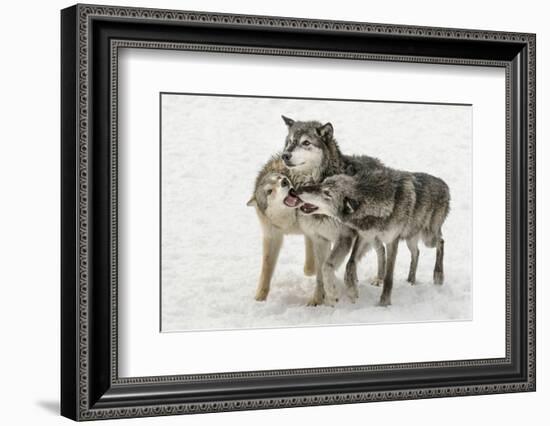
[[352, 293], [411, 280], [309, 270], [331, 293], [331, 300], [261, 295], [377, 281], [315, 301], [438, 277], [384, 300], [318, 297], [350, 278]]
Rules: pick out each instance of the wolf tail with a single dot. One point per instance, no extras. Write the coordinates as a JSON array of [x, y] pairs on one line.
[[432, 233]]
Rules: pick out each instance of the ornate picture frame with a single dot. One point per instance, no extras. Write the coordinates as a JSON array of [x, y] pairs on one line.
[[91, 37]]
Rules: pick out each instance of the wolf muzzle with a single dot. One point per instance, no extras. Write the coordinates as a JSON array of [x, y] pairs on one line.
[[306, 207], [292, 199]]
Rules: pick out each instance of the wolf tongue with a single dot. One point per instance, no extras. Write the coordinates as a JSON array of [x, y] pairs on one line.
[[308, 208], [291, 201]]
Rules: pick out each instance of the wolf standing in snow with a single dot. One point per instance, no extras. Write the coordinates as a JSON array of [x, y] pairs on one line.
[[387, 205], [310, 155], [276, 220], [312, 152]]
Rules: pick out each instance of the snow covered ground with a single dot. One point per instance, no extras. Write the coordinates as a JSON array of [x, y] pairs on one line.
[[212, 148]]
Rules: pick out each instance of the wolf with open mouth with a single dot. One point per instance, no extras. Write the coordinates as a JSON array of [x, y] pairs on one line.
[[276, 220], [386, 205], [311, 155]]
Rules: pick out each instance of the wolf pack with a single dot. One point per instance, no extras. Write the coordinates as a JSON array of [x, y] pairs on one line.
[[344, 205]]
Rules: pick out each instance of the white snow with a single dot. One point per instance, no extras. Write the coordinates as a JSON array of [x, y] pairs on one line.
[[212, 148]]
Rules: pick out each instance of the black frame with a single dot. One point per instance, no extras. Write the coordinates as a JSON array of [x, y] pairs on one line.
[[90, 386]]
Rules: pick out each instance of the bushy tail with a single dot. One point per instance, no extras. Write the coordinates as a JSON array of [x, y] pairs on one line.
[[432, 234]]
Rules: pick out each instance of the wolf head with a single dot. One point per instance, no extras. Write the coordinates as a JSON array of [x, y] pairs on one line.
[[347, 197], [335, 197], [310, 148], [270, 192]]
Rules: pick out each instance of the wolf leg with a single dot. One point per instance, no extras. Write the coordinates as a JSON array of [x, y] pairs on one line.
[[309, 265], [385, 298], [336, 257], [438, 269], [350, 276], [321, 249], [381, 257], [412, 244], [360, 247], [272, 243], [437, 240]]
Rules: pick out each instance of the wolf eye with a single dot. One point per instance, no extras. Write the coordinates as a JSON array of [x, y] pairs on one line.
[[326, 193], [269, 191], [306, 143]]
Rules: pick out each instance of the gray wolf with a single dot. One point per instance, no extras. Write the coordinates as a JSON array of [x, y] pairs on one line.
[[276, 220], [387, 205], [312, 154]]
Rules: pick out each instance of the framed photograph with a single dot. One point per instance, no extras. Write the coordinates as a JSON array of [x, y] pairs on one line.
[[263, 212]]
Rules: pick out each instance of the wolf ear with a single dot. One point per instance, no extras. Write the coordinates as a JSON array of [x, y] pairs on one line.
[[252, 202], [350, 170], [326, 131], [288, 121], [350, 205]]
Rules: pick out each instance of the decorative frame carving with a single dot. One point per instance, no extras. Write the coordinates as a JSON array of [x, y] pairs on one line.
[[83, 396]]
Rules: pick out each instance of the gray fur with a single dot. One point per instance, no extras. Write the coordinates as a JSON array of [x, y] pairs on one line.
[[276, 221], [333, 161], [387, 205], [320, 230], [385, 195], [274, 166], [360, 248]]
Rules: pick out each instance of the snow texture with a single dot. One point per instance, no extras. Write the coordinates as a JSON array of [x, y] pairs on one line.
[[212, 149]]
